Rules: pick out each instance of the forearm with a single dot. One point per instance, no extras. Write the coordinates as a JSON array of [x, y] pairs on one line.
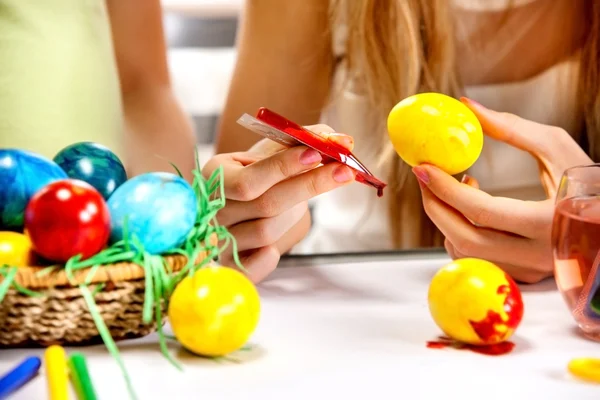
[[284, 62], [157, 132]]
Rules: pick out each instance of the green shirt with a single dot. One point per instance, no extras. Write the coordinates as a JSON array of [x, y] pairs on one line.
[[58, 77]]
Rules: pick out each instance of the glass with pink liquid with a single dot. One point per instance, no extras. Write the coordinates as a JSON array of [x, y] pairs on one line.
[[576, 245]]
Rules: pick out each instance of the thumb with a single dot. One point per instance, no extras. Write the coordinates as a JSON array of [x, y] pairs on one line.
[[267, 147], [328, 133], [552, 146]]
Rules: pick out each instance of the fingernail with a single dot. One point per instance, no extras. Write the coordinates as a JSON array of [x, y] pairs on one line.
[[466, 179], [343, 174], [310, 156], [466, 100], [421, 174]]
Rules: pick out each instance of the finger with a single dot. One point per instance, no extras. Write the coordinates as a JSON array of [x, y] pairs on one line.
[[524, 134], [287, 194], [474, 183], [258, 263], [504, 214], [526, 274], [469, 180], [251, 260], [266, 147], [477, 242], [450, 250], [327, 132], [261, 150], [542, 141], [320, 128], [295, 235], [343, 140], [245, 183], [266, 231], [550, 181]]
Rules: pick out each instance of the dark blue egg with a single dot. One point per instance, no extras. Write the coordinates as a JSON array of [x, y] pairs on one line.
[[22, 174], [160, 209], [94, 164]]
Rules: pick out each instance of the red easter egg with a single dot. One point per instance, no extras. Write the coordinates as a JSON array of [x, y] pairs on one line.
[[66, 218]]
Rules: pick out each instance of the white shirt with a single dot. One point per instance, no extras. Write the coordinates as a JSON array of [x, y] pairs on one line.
[[352, 218]]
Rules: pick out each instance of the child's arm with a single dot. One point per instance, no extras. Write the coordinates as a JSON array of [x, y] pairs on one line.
[[155, 122]]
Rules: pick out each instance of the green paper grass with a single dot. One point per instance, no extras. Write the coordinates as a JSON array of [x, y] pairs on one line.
[[160, 281], [9, 274]]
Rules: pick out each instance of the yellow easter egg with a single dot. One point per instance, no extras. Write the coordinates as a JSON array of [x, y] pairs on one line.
[[15, 250], [474, 301], [215, 311], [436, 129]]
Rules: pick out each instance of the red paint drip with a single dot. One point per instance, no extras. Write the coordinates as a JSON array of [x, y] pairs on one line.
[[436, 345], [497, 349], [487, 328]]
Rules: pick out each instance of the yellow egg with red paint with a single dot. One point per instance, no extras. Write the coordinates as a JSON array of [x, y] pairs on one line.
[[16, 250], [474, 301], [436, 129], [215, 311]]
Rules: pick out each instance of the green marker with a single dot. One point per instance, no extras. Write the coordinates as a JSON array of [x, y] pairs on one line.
[[81, 377]]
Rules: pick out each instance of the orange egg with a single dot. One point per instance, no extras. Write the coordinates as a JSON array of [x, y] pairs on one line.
[[15, 250], [474, 301]]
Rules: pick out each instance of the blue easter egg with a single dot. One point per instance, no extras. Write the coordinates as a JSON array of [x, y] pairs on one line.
[[93, 163], [160, 209], [22, 174]]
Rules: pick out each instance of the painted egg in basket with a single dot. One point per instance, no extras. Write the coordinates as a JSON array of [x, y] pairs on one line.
[[93, 163], [67, 218], [159, 208], [22, 174], [16, 250]]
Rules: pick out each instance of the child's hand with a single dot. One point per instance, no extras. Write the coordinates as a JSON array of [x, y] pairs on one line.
[[267, 190], [512, 233]]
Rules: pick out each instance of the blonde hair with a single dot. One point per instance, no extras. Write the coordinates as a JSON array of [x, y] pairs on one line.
[[396, 48]]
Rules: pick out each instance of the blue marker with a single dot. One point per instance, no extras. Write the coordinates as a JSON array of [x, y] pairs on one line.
[[19, 376]]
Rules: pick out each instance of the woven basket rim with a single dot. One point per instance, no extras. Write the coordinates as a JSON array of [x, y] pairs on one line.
[[29, 277]]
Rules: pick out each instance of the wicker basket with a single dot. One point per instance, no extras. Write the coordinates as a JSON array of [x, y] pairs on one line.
[[61, 315]]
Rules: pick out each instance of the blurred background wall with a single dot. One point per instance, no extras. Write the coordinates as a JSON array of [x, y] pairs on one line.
[[201, 38]]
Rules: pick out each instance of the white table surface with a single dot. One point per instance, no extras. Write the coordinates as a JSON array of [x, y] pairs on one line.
[[353, 331]]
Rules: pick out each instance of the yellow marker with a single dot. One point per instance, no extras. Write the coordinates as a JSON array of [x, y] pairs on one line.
[[587, 369], [57, 373]]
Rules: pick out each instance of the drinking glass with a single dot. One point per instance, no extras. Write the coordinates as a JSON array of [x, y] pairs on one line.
[[576, 245]]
